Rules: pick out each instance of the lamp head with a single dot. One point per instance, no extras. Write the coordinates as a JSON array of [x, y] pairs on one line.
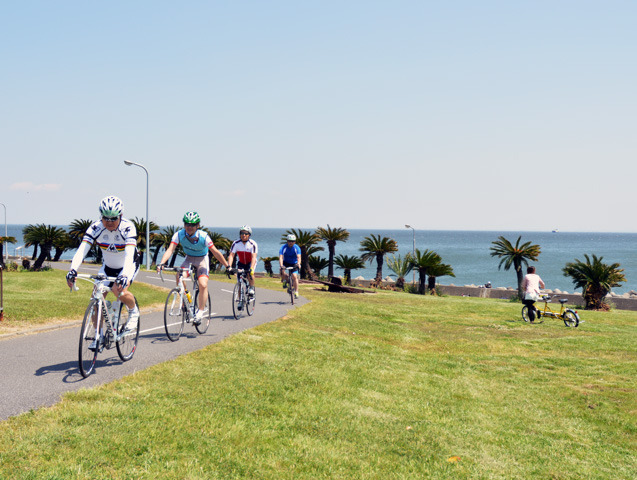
[[128, 163]]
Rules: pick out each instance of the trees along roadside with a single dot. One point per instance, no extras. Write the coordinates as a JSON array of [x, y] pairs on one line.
[[376, 247], [331, 236], [44, 236], [347, 264], [423, 261], [515, 256], [595, 278], [401, 268], [318, 263], [140, 226], [3, 241], [435, 271]]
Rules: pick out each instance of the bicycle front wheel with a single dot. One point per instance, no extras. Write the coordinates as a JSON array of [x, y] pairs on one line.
[[237, 301], [250, 302], [207, 314], [174, 315], [127, 341], [89, 341], [570, 318], [525, 314]]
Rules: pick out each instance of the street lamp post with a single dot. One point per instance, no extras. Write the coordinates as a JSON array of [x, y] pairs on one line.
[[413, 248], [5, 228], [147, 219]]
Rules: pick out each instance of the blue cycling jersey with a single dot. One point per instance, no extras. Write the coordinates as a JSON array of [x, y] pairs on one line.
[[290, 253], [197, 248]]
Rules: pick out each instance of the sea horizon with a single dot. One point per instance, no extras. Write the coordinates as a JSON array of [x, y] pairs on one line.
[[467, 251]]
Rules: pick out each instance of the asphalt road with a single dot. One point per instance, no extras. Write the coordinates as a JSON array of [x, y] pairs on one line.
[[38, 368]]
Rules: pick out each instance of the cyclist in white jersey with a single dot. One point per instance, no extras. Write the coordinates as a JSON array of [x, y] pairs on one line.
[[196, 245], [117, 239], [246, 251]]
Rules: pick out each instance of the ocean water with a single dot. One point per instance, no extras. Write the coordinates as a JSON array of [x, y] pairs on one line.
[[466, 251]]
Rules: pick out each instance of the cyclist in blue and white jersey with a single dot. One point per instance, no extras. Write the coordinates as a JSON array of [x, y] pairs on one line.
[[196, 245], [247, 252], [290, 256], [117, 239]]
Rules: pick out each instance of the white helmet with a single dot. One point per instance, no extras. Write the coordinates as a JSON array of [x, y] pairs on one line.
[[291, 237], [246, 228], [111, 206]]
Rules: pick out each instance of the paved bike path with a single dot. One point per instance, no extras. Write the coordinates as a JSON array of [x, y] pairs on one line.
[[38, 368]]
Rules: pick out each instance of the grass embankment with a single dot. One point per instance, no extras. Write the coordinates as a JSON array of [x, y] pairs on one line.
[[33, 299], [379, 386]]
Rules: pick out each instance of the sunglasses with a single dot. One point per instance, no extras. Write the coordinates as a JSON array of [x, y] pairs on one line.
[[244, 233], [110, 219]]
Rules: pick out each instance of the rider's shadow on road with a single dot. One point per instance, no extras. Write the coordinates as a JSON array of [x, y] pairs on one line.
[[71, 370]]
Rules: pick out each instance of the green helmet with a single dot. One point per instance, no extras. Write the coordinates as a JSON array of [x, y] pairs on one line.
[[192, 217]]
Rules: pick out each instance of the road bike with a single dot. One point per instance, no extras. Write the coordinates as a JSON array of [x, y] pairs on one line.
[[289, 283], [567, 315], [102, 328], [181, 307], [241, 301]]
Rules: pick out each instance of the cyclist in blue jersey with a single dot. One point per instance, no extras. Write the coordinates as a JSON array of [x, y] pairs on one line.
[[196, 245], [290, 256]]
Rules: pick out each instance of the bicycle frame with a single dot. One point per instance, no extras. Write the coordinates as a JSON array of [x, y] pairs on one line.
[[547, 311], [181, 285], [100, 289], [240, 297]]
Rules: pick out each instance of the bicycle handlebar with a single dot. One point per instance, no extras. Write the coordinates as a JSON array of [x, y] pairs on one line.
[[92, 278]]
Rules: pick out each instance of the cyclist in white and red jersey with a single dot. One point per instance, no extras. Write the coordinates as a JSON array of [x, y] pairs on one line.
[[196, 245], [246, 251], [117, 239]]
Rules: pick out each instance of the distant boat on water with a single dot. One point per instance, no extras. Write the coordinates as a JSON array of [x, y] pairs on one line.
[[555, 230]]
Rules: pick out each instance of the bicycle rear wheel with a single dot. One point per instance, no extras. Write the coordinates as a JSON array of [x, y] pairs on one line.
[[570, 318], [174, 315], [237, 300], [88, 336], [207, 314], [127, 344], [525, 314]]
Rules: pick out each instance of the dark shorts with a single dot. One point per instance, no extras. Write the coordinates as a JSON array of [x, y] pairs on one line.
[[295, 265]]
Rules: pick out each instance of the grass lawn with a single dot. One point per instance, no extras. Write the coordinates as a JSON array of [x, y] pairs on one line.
[[41, 298], [377, 386]]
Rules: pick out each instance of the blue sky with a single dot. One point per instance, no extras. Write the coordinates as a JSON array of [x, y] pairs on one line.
[[492, 115]]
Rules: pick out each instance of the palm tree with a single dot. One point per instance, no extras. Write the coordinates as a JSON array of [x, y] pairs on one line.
[[77, 229], [347, 264], [438, 270], [267, 264], [401, 268], [305, 239], [162, 240], [28, 237], [140, 226], [516, 256], [318, 263], [45, 236], [375, 247], [595, 279], [423, 261], [4, 240], [331, 236], [61, 245], [221, 243]]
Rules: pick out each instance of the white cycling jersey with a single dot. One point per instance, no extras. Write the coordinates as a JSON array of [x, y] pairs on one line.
[[118, 247]]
